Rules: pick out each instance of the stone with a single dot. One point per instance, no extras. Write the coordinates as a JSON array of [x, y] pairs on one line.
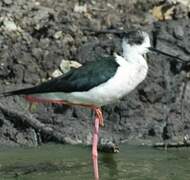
[[9, 25], [7, 2], [178, 32]]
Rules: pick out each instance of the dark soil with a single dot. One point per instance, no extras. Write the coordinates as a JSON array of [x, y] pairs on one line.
[[35, 36]]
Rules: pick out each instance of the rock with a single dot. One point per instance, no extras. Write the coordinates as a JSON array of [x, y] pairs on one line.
[[9, 25], [37, 53], [184, 2], [44, 43], [58, 35], [36, 38], [7, 2], [65, 67], [107, 146], [27, 139], [56, 73], [67, 39], [178, 32], [80, 8], [152, 93]]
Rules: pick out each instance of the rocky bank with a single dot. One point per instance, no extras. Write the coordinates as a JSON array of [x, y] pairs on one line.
[[35, 36]]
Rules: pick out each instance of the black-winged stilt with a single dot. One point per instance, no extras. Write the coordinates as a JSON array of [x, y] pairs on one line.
[[97, 83]]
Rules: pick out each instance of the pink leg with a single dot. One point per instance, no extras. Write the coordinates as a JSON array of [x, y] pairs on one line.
[[98, 121]]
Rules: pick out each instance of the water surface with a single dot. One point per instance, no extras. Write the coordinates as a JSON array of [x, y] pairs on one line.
[[66, 162]]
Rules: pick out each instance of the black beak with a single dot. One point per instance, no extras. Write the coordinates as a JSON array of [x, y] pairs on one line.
[[169, 55]]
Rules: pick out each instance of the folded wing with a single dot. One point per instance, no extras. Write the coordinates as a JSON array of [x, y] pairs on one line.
[[82, 79]]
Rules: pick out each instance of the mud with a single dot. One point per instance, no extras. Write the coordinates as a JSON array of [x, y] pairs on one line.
[[35, 36]]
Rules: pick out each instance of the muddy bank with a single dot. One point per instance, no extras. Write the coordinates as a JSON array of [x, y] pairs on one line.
[[35, 36]]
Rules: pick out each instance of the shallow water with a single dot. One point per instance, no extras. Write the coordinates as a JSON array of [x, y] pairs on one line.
[[66, 162]]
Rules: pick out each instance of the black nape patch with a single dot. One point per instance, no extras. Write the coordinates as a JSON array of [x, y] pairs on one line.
[[134, 37]]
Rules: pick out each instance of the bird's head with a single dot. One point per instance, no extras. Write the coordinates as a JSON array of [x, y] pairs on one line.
[[136, 42]]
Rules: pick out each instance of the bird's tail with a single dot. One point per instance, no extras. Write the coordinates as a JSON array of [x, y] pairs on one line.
[[26, 91], [4, 94], [30, 94]]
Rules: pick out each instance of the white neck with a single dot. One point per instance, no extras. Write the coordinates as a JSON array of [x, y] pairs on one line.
[[131, 55]]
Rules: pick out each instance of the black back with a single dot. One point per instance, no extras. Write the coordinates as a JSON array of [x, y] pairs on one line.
[[82, 79]]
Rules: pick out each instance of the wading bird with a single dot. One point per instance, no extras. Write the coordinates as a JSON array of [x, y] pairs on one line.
[[98, 83]]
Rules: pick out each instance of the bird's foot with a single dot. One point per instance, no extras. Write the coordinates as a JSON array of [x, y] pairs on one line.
[[99, 114]]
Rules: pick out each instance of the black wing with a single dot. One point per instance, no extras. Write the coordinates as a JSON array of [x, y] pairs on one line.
[[82, 79]]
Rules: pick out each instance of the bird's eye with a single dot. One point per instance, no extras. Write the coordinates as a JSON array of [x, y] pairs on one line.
[[135, 37], [139, 40]]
